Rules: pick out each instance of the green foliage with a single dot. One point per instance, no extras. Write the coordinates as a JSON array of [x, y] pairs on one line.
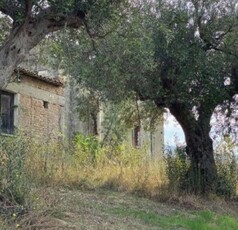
[[143, 47], [87, 149], [115, 123], [14, 186], [63, 7], [116, 60], [87, 103], [177, 166], [227, 175], [181, 178], [117, 119]]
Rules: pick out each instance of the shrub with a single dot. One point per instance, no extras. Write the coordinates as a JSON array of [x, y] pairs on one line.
[[227, 168], [177, 166], [87, 149], [182, 179]]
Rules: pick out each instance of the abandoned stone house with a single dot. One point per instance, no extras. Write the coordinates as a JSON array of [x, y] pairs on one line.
[[42, 106], [152, 141], [32, 104]]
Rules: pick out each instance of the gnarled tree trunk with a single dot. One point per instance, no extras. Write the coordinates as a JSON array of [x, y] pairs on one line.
[[26, 36], [202, 174]]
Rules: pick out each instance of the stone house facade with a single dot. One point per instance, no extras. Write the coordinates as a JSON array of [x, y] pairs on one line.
[[152, 141], [138, 137], [43, 107], [32, 104]]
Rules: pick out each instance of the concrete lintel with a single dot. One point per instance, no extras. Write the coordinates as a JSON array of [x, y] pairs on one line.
[[40, 94]]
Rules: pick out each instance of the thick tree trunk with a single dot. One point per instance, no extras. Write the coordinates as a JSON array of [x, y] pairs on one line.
[[202, 174], [12, 53], [26, 36]]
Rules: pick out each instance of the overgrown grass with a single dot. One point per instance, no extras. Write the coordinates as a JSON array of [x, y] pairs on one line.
[[14, 180], [88, 165], [26, 165]]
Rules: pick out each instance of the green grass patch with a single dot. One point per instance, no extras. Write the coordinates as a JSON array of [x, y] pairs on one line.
[[202, 220]]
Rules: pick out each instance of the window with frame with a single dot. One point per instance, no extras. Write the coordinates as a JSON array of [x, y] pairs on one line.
[[6, 112]]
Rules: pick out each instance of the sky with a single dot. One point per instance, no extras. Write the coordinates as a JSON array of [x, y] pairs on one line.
[[174, 136], [173, 133]]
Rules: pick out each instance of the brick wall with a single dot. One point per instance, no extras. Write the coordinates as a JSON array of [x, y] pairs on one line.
[[40, 108], [39, 84]]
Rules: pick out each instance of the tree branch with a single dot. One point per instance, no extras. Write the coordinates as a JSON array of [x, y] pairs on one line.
[[27, 33], [223, 51], [28, 8]]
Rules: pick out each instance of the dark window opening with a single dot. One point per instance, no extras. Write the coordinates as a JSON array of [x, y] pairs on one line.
[[6, 112], [95, 123], [46, 104], [136, 136]]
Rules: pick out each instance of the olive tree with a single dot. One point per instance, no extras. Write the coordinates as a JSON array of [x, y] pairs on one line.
[[32, 20], [180, 55]]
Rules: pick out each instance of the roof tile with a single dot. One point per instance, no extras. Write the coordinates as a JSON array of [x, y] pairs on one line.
[[54, 81]]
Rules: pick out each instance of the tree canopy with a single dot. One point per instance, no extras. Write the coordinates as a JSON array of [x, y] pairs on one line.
[[32, 20], [180, 55]]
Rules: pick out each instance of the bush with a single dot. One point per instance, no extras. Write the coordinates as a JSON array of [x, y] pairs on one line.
[[87, 149], [182, 179], [227, 168], [176, 167]]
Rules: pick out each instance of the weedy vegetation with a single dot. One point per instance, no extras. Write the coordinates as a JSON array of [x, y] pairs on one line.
[[53, 184]]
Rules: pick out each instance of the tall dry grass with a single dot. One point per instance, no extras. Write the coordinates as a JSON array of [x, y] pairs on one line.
[[84, 166], [86, 163], [26, 164]]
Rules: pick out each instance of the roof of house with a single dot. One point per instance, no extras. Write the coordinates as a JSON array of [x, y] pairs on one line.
[[54, 81]]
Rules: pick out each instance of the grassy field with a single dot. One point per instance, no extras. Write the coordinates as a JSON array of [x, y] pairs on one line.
[[103, 209]]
